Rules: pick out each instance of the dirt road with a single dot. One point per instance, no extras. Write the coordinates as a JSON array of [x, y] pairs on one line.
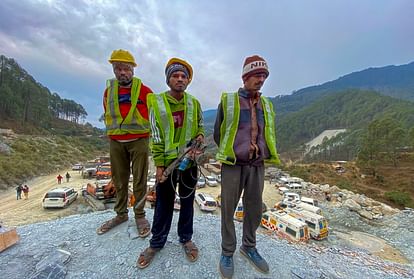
[[19, 212]]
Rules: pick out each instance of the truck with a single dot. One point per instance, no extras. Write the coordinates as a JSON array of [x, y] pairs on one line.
[[104, 171]]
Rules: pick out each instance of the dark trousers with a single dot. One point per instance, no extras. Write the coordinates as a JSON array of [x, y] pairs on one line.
[[164, 207], [124, 156], [234, 181], [19, 195]]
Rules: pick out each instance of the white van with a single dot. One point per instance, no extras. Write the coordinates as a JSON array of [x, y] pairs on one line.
[[311, 208], [293, 186], [309, 201], [211, 181], [285, 226], [59, 197], [318, 226], [283, 190]]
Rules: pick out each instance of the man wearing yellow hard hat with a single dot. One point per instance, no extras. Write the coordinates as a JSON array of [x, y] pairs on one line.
[[176, 119], [127, 126]]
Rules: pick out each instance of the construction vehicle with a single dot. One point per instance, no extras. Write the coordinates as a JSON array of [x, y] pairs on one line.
[[104, 171], [8, 237], [89, 170], [151, 196], [285, 226], [101, 189]]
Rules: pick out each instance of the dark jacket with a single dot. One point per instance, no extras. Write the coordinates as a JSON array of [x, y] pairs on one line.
[[243, 137]]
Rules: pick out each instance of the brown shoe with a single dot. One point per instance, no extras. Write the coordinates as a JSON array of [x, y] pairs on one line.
[[112, 223], [146, 257], [191, 251], [143, 226]]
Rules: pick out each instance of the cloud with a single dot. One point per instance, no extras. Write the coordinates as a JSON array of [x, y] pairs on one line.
[[65, 45]]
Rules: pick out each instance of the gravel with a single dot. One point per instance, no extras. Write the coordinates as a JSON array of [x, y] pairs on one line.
[[70, 248]]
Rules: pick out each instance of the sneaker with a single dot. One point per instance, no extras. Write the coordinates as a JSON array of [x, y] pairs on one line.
[[255, 259], [226, 267]]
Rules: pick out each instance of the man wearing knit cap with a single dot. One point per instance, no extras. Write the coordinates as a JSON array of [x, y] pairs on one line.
[[127, 126], [176, 119], [245, 135]]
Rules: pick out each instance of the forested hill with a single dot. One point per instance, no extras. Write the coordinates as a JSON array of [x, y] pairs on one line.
[[27, 103], [353, 110], [394, 81]]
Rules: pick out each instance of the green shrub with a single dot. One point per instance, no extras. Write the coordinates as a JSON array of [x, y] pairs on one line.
[[300, 172], [400, 198], [345, 184]]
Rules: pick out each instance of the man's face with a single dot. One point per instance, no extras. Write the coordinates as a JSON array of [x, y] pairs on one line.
[[123, 73], [255, 82], [178, 81]]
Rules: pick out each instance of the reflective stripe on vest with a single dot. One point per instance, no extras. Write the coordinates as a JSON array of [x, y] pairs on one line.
[[133, 123], [228, 129], [165, 120], [231, 110]]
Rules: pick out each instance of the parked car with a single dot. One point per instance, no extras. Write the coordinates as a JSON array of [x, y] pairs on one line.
[[77, 167], [201, 182], [206, 202], [211, 181], [59, 197]]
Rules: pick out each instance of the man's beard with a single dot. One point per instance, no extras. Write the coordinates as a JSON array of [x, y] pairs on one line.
[[124, 82]]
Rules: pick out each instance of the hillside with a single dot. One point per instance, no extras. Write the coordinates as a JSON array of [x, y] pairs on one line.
[[351, 109], [394, 81], [394, 185], [39, 131], [29, 103], [23, 156]]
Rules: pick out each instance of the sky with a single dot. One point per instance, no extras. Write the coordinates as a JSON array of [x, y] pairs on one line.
[[65, 45]]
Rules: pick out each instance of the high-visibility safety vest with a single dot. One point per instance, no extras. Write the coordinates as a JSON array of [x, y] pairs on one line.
[[164, 117], [228, 129], [134, 122]]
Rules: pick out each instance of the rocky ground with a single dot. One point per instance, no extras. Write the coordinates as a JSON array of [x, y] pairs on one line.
[[68, 247]]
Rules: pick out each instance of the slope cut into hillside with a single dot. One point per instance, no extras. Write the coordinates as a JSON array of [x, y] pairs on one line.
[[319, 139]]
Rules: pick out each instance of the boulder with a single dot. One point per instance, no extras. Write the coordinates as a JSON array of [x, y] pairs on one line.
[[376, 210], [388, 210], [362, 200], [365, 214], [334, 189], [324, 188], [352, 205]]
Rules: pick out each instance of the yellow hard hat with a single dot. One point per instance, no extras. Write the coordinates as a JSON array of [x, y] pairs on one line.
[[121, 55], [182, 62]]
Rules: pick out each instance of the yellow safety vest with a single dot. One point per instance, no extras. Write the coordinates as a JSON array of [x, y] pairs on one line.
[[231, 110], [164, 118], [134, 122]]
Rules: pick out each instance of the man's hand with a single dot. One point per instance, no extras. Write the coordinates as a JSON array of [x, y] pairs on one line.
[[159, 174]]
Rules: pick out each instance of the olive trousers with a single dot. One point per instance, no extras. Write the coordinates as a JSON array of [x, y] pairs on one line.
[[124, 157]]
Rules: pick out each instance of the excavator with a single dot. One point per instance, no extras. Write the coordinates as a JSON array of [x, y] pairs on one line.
[[101, 189]]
